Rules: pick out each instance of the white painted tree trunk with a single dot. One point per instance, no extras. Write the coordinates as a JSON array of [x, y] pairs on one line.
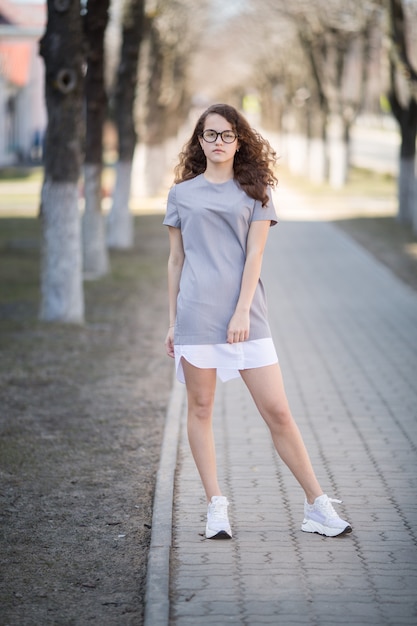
[[150, 169], [62, 298], [317, 163], [138, 186], [155, 168], [120, 232], [338, 154], [297, 147], [407, 192], [277, 141], [173, 146], [95, 256]]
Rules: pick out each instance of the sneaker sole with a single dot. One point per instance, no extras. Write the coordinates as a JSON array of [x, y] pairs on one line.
[[326, 531], [222, 534]]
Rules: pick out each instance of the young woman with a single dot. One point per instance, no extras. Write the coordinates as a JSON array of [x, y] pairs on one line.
[[219, 213]]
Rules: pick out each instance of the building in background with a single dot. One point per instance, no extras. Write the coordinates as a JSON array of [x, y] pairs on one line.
[[22, 105]]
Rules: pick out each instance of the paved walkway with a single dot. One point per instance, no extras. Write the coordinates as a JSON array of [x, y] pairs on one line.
[[346, 333]]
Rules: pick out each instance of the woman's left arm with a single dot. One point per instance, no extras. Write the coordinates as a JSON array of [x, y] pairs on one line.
[[238, 329]]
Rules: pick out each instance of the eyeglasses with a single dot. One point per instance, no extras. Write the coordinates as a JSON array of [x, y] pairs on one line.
[[228, 136]]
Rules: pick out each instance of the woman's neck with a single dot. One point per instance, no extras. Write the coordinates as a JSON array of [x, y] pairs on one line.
[[218, 174]]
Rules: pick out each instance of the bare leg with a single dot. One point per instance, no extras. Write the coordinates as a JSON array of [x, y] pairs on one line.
[[267, 389], [201, 386]]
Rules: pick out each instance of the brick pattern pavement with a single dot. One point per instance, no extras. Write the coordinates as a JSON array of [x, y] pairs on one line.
[[346, 334]]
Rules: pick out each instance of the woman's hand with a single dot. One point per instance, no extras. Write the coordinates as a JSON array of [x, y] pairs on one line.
[[238, 329], [169, 342]]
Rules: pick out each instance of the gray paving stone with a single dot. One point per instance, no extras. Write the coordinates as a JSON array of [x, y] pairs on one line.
[[346, 333]]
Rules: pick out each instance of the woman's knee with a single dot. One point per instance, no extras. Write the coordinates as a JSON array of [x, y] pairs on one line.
[[201, 387], [200, 405], [277, 416]]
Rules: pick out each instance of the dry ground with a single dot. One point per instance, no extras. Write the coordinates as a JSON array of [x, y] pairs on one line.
[[81, 421], [81, 418]]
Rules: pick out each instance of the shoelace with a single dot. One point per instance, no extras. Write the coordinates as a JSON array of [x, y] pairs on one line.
[[328, 507], [218, 510]]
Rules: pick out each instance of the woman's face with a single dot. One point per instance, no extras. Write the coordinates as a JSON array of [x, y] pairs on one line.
[[218, 151]]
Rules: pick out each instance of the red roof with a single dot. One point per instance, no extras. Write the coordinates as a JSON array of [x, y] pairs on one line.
[[15, 51], [15, 61]]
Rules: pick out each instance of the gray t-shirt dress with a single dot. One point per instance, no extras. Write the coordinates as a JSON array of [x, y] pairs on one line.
[[214, 220]]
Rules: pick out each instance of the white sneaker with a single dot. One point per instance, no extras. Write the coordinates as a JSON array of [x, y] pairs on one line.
[[320, 517], [218, 526]]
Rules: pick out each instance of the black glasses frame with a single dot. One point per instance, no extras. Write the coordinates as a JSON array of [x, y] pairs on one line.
[[209, 130]]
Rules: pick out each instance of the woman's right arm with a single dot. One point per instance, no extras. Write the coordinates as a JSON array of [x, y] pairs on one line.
[[175, 263]]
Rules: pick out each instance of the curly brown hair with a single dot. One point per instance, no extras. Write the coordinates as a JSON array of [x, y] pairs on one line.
[[253, 163]]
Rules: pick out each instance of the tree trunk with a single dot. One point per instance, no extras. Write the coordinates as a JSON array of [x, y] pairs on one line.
[[120, 221], [61, 272], [297, 153], [166, 105], [338, 152], [317, 161], [317, 155], [295, 124], [407, 195], [403, 72], [152, 150], [61, 282], [95, 256]]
